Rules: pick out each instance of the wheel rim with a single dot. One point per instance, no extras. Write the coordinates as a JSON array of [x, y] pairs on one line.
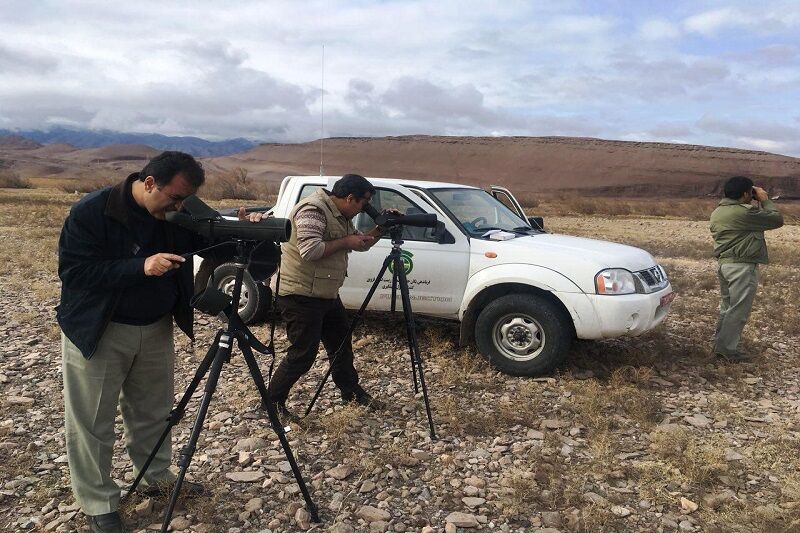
[[519, 337], [227, 284]]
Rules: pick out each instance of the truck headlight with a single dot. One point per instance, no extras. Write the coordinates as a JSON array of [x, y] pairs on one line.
[[615, 281]]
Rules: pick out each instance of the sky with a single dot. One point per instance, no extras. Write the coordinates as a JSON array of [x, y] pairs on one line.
[[712, 73]]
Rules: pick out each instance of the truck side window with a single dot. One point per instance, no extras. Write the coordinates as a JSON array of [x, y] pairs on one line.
[[308, 190], [388, 199]]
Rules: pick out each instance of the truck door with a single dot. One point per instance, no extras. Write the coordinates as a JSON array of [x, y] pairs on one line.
[[437, 273], [505, 197]]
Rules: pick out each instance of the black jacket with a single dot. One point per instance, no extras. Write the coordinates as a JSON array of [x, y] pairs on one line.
[[96, 262]]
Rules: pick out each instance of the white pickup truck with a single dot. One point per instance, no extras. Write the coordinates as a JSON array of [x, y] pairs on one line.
[[521, 294]]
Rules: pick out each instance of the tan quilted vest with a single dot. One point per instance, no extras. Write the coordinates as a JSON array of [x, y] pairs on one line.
[[321, 278]]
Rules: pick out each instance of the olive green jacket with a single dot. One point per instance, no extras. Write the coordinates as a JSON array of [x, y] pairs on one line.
[[738, 230], [324, 277]]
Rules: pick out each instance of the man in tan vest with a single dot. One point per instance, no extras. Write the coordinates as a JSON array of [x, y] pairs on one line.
[[313, 268]]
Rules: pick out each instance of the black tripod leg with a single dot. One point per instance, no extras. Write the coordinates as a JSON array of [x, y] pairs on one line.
[[272, 413], [223, 352], [416, 357], [356, 320], [176, 415], [399, 264]]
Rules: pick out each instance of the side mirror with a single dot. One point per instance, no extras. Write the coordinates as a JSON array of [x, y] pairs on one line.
[[536, 222], [441, 234]]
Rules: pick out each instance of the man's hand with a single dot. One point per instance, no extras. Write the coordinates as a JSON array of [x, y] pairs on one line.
[[159, 264], [252, 217], [761, 195], [358, 243]]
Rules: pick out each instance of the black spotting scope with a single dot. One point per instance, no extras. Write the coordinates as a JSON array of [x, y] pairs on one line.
[[387, 220], [200, 218]]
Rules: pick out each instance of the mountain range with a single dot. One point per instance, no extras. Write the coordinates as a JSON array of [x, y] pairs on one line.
[[81, 138]]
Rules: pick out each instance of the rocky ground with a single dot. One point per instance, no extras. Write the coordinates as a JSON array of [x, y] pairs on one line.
[[638, 434]]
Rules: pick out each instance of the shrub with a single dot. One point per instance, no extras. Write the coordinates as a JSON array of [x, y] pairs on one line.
[[12, 180]]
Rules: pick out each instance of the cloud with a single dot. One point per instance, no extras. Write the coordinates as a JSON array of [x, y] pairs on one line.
[[658, 29], [754, 133], [20, 61], [765, 19]]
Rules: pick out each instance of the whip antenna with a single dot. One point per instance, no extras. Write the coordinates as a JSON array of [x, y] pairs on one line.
[[322, 114]]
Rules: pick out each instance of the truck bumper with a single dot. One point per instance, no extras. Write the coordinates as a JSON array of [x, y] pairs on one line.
[[603, 317]]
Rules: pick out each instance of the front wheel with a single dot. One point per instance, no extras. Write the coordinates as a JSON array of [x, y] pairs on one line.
[[254, 301], [523, 334]]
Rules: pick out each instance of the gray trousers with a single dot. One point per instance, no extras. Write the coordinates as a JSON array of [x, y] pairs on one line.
[[738, 283], [133, 368]]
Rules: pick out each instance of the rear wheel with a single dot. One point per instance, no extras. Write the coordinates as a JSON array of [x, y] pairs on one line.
[[523, 334]]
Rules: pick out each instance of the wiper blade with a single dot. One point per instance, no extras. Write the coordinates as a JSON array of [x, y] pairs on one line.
[[482, 231]]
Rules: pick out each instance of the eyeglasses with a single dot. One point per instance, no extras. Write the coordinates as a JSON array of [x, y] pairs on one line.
[[174, 197]]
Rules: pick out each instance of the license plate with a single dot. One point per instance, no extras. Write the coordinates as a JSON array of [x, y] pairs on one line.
[[667, 299]]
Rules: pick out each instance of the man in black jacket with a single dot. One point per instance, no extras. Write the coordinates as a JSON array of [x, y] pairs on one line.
[[123, 281]]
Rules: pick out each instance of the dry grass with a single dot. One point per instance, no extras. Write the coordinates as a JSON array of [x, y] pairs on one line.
[[236, 184], [12, 180], [684, 208]]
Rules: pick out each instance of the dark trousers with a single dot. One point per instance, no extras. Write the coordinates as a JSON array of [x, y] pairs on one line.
[[309, 321]]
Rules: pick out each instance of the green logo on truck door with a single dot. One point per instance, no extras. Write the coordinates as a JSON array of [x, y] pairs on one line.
[[408, 264]]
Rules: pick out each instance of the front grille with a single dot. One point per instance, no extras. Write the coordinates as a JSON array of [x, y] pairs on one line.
[[652, 279]]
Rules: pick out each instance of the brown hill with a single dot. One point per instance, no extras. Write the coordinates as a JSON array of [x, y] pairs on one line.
[[524, 164], [528, 163]]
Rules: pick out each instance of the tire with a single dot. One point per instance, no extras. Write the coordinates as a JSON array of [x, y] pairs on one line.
[[523, 334], [255, 300]]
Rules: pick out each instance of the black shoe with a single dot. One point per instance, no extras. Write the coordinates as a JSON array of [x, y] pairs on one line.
[[189, 489], [285, 415], [106, 523], [738, 357], [362, 397]]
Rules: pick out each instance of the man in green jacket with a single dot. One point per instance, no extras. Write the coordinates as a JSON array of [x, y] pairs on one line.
[[737, 226]]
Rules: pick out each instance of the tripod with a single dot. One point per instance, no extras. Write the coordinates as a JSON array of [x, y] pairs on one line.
[[218, 354], [393, 262]]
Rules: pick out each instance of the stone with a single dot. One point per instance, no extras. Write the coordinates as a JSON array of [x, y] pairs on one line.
[[553, 424], [373, 514], [250, 444], [342, 528], [461, 519], [180, 523], [697, 420], [592, 497], [303, 518], [733, 455], [619, 510], [688, 505], [254, 504], [473, 502], [19, 400], [245, 477], [340, 472], [475, 482], [367, 486], [551, 519], [379, 526], [145, 507]]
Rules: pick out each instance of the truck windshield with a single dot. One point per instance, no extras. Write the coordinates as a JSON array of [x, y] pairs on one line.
[[478, 211]]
